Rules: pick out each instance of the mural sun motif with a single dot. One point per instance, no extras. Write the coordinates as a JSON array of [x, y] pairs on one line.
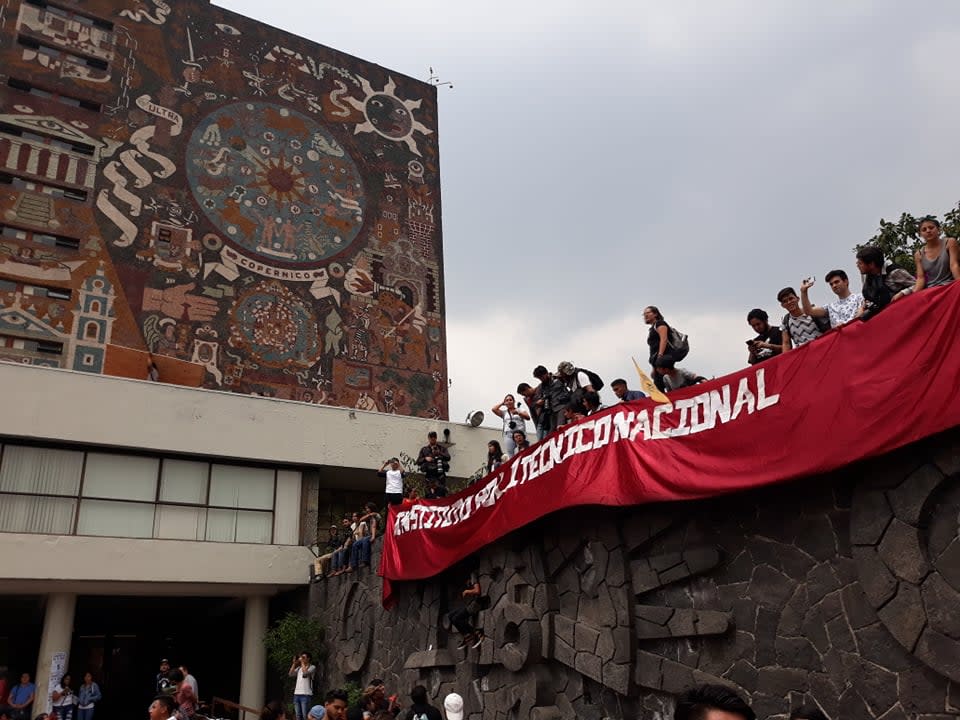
[[387, 115], [279, 180]]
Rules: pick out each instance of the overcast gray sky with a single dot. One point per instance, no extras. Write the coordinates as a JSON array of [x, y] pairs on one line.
[[600, 157]]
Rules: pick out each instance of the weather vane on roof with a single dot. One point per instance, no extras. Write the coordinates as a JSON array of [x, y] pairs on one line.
[[434, 80]]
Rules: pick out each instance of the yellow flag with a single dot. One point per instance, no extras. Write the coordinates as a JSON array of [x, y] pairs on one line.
[[647, 385]]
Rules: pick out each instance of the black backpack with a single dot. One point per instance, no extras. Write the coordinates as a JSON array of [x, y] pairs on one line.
[[595, 380]]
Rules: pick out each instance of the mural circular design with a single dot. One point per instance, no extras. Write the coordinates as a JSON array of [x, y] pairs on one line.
[[276, 326], [250, 175], [905, 533]]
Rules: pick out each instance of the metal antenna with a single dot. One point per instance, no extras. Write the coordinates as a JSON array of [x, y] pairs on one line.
[[434, 80]]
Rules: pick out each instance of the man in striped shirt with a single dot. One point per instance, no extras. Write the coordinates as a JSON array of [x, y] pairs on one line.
[[798, 328]]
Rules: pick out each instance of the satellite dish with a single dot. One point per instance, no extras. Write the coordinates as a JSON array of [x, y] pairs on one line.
[[474, 418]]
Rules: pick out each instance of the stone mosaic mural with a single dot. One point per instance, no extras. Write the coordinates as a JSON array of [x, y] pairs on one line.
[[261, 205], [841, 590]]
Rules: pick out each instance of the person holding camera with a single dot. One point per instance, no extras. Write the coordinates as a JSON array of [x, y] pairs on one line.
[[769, 340], [513, 420], [434, 460]]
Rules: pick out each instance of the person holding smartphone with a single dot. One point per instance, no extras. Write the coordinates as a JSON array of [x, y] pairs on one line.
[[769, 340], [513, 420]]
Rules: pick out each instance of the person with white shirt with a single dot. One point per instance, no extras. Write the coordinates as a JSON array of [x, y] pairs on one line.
[[190, 680], [513, 419], [63, 699], [848, 306], [393, 490], [303, 670]]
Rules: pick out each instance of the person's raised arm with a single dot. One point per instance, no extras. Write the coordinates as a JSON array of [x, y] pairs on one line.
[[497, 409], [808, 307]]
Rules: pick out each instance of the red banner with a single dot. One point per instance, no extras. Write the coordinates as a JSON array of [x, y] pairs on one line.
[[857, 392]]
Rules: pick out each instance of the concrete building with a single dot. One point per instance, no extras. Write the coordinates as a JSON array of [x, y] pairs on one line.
[[258, 216], [154, 520]]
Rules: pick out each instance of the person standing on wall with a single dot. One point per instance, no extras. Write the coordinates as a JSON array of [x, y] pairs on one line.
[[393, 491], [303, 670]]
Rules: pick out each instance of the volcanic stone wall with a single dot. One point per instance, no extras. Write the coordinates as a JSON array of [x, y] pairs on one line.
[[841, 590]]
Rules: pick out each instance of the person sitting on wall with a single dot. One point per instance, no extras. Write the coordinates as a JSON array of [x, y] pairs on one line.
[[520, 440], [341, 557], [712, 702], [372, 518], [413, 495], [882, 284], [845, 308], [435, 490], [572, 412], [434, 460], [591, 402], [322, 564], [797, 328], [769, 340], [620, 389], [393, 491], [462, 617], [360, 550], [675, 378]]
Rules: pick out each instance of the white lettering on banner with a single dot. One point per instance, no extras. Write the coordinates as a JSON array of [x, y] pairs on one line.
[[696, 414]]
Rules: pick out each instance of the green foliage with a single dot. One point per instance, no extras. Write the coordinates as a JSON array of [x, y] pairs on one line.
[[354, 692], [290, 636], [899, 240]]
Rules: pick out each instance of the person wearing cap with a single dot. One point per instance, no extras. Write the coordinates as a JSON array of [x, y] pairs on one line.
[[575, 380], [453, 706], [163, 677]]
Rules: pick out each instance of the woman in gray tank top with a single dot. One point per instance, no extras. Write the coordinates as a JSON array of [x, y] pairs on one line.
[[937, 261]]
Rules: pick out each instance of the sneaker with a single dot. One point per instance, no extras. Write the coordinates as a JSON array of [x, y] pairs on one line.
[[464, 641], [478, 641]]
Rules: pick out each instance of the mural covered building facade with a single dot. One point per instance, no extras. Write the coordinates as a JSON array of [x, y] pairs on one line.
[[183, 181]]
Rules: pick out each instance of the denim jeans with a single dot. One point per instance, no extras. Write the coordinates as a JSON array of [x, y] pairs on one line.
[[85, 714], [360, 552], [302, 705]]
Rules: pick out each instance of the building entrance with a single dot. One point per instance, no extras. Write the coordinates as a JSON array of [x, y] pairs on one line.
[[21, 623], [121, 640]]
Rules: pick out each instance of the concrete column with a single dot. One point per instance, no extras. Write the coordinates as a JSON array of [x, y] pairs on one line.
[[56, 638], [253, 678]]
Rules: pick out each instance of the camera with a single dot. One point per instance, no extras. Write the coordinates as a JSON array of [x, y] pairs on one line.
[[512, 425]]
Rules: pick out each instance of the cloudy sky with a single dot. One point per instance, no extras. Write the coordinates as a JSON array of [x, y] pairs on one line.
[[600, 157]]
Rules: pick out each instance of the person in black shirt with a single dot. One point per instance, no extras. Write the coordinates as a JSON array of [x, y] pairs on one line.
[[434, 460], [421, 710], [769, 340]]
